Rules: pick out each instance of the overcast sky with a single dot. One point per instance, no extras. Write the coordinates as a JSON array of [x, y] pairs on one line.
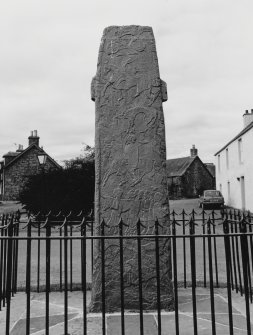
[[48, 56]]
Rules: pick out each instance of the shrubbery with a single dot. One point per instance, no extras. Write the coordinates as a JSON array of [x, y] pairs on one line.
[[70, 188]]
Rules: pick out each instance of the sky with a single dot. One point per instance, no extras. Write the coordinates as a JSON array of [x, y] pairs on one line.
[[48, 56]]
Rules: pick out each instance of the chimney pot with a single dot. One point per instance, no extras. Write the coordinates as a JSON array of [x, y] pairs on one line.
[[20, 148], [246, 112], [34, 138]]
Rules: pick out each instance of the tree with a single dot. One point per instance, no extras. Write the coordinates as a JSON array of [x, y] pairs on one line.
[[70, 188]]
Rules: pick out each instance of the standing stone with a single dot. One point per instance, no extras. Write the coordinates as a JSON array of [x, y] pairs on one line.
[[130, 154]]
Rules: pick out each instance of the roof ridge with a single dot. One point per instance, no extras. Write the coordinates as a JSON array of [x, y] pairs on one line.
[[242, 132]]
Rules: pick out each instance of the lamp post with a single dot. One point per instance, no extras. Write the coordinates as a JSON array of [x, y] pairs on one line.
[[42, 158]]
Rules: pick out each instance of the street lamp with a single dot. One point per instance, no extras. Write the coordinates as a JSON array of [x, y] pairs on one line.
[[42, 159]]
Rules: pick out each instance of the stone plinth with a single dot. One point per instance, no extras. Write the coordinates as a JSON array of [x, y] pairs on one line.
[[131, 181]]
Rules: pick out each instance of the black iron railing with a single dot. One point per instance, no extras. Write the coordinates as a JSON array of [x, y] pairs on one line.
[[209, 249]]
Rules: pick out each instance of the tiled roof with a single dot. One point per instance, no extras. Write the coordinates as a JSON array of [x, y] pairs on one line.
[[249, 126], [178, 166]]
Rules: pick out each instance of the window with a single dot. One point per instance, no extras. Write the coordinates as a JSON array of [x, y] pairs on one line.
[[219, 163], [221, 188], [227, 159], [240, 151], [212, 193]]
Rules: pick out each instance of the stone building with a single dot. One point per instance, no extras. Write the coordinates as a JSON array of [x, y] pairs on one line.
[[235, 167], [188, 176], [18, 166]]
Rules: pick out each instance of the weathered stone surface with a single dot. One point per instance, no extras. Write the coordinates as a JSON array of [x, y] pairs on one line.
[[130, 166]]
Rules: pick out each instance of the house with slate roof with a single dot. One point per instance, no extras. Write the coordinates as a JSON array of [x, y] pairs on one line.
[[17, 166], [188, 176], [234, 163]]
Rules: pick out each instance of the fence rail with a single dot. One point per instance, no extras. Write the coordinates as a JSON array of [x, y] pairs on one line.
[[209, 249]]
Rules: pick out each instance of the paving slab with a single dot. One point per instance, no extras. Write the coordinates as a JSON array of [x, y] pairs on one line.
[[18, 305], [132, 325], [186, 326], [132, 320], [38, 323]]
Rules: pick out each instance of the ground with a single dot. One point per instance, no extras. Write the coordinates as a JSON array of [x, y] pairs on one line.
[[132, 324]]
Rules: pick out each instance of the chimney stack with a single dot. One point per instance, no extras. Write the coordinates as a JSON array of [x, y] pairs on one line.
[[33, 138], [193, 151], [247, 118]]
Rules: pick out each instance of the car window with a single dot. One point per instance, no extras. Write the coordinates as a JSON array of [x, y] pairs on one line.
[[212, 193]]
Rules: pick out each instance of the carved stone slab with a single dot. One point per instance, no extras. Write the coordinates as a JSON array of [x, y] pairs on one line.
[[130, 151]]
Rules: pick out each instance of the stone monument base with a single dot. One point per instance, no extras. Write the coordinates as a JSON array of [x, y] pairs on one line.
[[135, 269]]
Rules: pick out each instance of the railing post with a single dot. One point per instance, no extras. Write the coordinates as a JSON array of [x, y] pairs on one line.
[[233, 240], [1, 263], [48, 252], [71, 258], [121, 257], [92, 243], [16, 256], [215, 250], [248, 260], [237, 252], [103, 276], [251, 248], [193, 273], [60, 233], [209, 241], [184, 248], [158, 283], [140, 275], [84, 274], [28, 276], [6, 219], [245, 262], [174, 241], [65, 227], [228, 270], [204, 245], [38, 257], [9, 275]]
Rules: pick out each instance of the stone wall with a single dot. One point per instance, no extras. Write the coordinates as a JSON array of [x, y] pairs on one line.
[[17, 173]]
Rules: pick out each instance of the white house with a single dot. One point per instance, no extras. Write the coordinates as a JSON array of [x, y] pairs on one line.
[[234, 167]]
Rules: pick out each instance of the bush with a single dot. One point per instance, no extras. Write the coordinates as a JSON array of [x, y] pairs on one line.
[[70, 188]]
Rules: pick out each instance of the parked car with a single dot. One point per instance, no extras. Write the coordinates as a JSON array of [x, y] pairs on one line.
[[211, 198]]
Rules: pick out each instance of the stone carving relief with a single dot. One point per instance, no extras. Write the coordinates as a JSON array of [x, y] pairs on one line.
[[130, 157]]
